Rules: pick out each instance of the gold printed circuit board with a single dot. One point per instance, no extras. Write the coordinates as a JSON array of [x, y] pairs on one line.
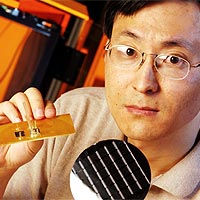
[[36, 129]]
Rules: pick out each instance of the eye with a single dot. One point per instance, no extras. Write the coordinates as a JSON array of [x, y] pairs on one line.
[[130, 52], [125, 56], [127, 51], [174, 60]]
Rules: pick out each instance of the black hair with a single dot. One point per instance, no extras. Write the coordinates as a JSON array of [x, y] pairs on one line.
[[124, 7]]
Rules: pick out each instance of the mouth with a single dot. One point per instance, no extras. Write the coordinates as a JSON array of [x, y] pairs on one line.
[[145, 111]]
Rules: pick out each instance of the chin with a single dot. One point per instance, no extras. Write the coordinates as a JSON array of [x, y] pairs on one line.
[[144, 134]]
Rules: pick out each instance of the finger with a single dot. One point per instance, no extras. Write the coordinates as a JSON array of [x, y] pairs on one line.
[[36, 102], [40, 108], [9, 113], [50, 110], [34, 146], [21, 102]]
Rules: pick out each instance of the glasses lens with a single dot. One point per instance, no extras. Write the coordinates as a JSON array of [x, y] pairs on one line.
[[125, 56], [171, 66]]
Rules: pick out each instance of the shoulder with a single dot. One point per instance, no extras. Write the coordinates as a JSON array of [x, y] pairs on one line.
[[90, 113], [186, 172], [81, 98], [91, 91], [85, 92]]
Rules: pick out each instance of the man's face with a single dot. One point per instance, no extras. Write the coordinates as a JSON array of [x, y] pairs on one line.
[[144, 104]]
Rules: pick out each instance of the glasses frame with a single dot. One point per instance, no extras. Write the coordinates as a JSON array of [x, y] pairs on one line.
[[108, 48]]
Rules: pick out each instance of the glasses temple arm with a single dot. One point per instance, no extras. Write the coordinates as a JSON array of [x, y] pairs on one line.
[[195, 66]]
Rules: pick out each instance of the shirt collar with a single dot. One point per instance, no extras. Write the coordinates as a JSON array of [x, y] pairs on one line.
[[182, 179]]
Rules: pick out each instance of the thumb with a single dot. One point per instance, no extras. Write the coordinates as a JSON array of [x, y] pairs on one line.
[[34, 147]]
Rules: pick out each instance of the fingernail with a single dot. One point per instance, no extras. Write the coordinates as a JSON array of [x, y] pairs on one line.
[[39, 113], [49, 112], [16, 120]]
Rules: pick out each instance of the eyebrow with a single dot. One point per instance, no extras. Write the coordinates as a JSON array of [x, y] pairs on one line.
[[175, 42], [129, 34], [178, 43]]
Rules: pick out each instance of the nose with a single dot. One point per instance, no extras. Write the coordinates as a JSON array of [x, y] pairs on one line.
[[145, 79]]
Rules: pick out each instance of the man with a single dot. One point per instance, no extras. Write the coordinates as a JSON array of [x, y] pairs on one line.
[[152, 79]]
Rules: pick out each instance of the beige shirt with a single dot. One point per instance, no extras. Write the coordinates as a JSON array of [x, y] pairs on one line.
[[47, 175]]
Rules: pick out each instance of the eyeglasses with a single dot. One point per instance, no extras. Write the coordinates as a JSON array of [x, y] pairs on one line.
[[170, 66]]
